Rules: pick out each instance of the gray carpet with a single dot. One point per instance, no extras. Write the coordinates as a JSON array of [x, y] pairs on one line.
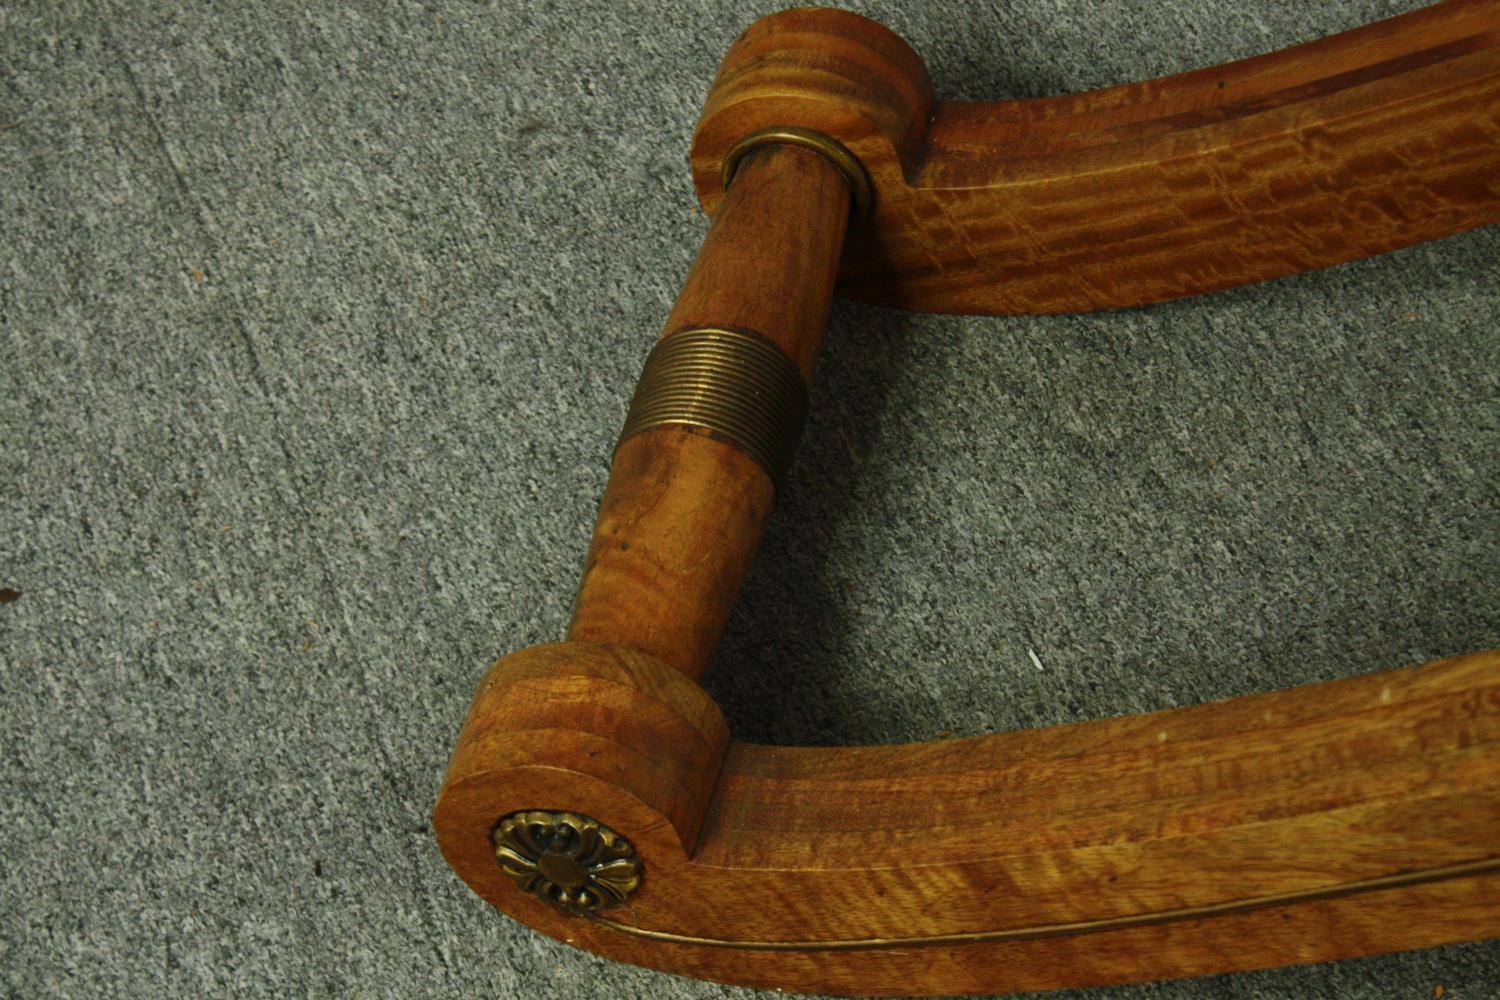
[[316, 329]]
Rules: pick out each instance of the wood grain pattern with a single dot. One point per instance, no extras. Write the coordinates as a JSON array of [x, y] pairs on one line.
[[1327, 152]]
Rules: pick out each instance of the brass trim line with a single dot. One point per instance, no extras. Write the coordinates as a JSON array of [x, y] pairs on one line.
[[1400, 880], [860, 189], [736, 384]]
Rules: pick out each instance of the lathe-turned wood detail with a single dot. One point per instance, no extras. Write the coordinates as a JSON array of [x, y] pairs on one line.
[[1316, 823]]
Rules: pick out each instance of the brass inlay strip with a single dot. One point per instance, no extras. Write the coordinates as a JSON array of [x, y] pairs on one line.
[[738, 385], [1401, 880], [860, 189]]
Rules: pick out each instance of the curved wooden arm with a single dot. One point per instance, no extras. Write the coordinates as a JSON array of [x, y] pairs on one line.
[[595, 792], [1317, 823], [1349, 146]]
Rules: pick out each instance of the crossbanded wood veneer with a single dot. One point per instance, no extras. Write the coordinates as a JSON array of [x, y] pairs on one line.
[[1321, 822]]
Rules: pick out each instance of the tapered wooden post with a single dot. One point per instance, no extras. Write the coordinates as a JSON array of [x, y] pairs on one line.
[[712, 427]]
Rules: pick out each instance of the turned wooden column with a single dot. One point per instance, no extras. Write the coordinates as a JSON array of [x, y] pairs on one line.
[[686, 502], [582, 759]]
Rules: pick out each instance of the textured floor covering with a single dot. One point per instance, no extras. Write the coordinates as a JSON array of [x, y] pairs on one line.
[[315, 331]]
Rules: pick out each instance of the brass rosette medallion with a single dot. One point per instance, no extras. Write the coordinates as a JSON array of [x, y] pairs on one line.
[[567, 859]]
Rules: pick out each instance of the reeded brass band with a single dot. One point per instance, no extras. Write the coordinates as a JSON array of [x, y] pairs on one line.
[[738, 385], [860, 189]]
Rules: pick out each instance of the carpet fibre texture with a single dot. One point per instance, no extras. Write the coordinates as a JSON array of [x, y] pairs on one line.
[[316, 329]]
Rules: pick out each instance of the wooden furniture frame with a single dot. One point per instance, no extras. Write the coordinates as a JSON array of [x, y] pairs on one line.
[[595, 792]]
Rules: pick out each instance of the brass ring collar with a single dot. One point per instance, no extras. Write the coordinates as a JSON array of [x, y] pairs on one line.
[[860, 188]]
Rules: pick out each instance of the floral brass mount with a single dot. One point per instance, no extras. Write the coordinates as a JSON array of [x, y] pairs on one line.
[[571, 861], [1334, 820]]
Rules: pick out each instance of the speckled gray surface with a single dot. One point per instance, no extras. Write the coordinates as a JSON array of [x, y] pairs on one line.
[[315, 331]]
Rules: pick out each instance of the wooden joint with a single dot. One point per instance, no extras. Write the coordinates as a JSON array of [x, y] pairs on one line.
[[592, 742], [827, 72]]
